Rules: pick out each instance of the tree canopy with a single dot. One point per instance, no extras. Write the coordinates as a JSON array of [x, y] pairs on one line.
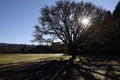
[[63, 21]]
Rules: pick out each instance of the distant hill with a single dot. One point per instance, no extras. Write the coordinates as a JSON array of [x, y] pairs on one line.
[[6, 48]]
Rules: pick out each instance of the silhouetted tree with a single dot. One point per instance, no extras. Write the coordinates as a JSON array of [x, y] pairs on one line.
[[116, 12], [100, 36], [106, 37], [24, 49], [64, 22], [116, 21], [60, 47]]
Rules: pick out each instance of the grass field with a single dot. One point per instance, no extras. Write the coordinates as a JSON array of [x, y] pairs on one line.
[[22, 58], [51, 67]]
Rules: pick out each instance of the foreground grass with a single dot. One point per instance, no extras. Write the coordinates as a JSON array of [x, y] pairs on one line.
[[23, 58], [49, 67]]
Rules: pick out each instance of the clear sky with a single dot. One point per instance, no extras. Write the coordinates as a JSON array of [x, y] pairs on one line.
[[18, 17]]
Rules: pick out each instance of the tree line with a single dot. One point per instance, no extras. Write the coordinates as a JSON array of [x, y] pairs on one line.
[[31, 49], [6, 48]]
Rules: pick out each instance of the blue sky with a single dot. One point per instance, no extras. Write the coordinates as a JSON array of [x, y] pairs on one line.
[[18, 17]]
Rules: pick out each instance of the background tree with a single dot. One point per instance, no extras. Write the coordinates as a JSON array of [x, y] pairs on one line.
[[116, 21], [102, 38], [106, 38], [116, 12], [63, 21]]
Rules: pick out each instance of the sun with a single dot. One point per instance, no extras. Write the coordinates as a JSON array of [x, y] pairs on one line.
[[85, 21]]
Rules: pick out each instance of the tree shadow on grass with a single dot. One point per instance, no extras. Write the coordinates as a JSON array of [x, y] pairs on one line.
[[59, 70]]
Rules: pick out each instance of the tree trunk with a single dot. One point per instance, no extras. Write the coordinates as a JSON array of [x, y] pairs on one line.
[[72, 50], [73, 56]]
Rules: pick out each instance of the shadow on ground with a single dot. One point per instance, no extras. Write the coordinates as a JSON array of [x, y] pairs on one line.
[[85, 69]]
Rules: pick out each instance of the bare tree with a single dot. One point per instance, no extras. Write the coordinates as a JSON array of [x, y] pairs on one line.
[[64, 21]]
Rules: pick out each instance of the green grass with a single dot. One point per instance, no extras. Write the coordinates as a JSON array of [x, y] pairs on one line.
[[23, 58]]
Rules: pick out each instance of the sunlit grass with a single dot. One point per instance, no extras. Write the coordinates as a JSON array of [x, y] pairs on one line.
[[21, 58]]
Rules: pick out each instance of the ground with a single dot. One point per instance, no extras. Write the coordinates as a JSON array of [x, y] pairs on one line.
[[60, 68]]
